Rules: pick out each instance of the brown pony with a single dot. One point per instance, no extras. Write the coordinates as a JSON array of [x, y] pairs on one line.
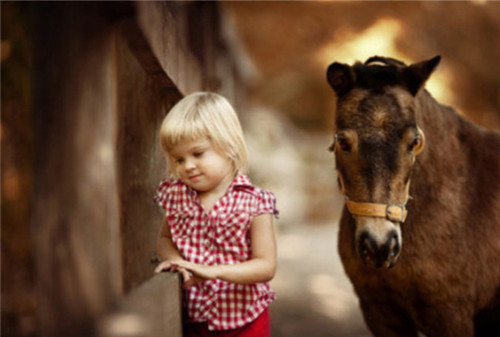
[[420, 235]]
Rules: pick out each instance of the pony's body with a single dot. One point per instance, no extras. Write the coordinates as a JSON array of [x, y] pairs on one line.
[[446, 281]]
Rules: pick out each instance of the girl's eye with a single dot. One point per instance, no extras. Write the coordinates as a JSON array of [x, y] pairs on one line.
[[198, 154], [414, 143], [344, 144], [179, 160]]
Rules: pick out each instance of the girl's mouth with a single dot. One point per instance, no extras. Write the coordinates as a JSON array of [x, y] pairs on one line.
[[195, 177]]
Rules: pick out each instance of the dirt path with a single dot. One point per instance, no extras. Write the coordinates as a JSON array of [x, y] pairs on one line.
[[314, 296]]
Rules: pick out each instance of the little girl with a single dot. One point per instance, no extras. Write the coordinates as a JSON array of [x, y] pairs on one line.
[[218, 231]]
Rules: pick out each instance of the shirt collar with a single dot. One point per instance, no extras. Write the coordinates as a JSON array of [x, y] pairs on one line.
[[243, 183], [242, 180]]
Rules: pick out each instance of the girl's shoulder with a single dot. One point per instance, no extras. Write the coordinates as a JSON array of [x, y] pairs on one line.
[[170, 184], [169, 189], [243, 184], [265, 200]]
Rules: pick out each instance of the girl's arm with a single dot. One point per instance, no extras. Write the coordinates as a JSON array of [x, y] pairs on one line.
[[165, 248], [260, 268], [170, 256]]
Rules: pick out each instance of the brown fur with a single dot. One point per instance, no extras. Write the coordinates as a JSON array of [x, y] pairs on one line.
[[446, 281]]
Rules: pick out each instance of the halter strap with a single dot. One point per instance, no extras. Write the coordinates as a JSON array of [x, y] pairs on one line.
[[391, 212]]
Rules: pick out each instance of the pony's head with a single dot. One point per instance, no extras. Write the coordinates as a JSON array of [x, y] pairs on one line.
[[376, 141]]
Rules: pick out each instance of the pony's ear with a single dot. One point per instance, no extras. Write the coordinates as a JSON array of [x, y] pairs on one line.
[[417, 74], [341, 77]]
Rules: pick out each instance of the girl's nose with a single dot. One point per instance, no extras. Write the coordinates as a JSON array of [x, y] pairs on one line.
[[189, 165]]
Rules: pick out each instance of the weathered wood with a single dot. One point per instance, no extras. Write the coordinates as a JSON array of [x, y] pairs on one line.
[[151, 310], [186, 39], [141, 107], [165, 27], [74, 221], [101, 88]]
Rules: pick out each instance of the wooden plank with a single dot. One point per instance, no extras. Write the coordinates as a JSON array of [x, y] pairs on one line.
[[75, 228], [151, 310], [140, 108]]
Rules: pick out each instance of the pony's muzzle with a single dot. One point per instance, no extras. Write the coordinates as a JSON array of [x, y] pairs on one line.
[[378, 248]]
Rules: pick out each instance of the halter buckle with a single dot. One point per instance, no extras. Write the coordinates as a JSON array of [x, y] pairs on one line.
[[395, 213]]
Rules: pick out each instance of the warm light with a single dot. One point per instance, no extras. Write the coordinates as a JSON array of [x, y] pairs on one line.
[[124, 325], [349, 46], [380, 39], [330, 298], [439, 86], [291, 246]]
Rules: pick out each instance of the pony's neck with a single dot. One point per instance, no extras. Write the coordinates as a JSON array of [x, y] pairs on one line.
[[441, 126], [439, 166]]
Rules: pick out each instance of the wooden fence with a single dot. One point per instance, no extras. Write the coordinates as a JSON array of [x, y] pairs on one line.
[[151, 310], [97, 80]]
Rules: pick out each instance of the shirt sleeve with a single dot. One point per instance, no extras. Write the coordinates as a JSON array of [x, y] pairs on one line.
[[161, 196], [267, 204]]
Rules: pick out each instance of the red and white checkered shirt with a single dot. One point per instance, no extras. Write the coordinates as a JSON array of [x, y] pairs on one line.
[[220, 236]]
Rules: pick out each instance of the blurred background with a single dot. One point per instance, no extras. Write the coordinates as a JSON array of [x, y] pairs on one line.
[[85, 86], [289, 46]]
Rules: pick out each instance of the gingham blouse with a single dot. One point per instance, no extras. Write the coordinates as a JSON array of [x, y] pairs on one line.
[[220, 236]]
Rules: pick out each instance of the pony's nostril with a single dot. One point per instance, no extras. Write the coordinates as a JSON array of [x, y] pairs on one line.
[[367, 247], [378, 253], [393, 245]]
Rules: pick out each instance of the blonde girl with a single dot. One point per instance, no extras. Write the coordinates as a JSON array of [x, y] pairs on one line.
[[218, 229]]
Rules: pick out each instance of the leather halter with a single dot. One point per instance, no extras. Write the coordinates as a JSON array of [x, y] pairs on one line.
[[392, 212]]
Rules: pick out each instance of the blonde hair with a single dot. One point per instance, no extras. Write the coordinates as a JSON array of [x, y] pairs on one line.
[[204, 114]]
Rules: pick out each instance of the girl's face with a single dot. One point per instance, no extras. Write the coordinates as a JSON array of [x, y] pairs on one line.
[[202, 167]]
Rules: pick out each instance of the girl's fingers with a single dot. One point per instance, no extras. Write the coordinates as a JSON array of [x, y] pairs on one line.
[[182, 264], [189, 271], [191, 282], [179, 266], [188, 278], [165, 265], [172, 266], [185, 274]]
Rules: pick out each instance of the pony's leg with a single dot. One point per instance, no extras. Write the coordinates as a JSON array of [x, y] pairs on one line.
[[387, 321]]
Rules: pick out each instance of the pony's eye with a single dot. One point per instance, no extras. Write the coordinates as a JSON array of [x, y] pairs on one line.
[[414, 143], [344, 144]]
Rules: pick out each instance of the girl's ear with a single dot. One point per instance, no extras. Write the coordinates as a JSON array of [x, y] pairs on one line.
[[417, 74], [341, 78]]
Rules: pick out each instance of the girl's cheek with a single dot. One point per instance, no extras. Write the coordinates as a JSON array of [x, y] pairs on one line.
[[178, 170]]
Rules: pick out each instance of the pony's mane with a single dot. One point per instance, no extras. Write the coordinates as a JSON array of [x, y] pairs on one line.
[[388, 61], [378, 72]]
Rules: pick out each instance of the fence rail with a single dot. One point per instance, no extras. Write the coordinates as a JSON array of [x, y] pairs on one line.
[[151, 310]]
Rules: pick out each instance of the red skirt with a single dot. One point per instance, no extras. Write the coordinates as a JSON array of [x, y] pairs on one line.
[[261, 327]]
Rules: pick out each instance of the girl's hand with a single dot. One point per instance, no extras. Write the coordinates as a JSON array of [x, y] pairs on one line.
[[190, 280], [173, 266], [163, 266], [199, 271]]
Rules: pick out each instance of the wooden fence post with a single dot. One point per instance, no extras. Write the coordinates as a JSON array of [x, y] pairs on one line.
[[151, 310]]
